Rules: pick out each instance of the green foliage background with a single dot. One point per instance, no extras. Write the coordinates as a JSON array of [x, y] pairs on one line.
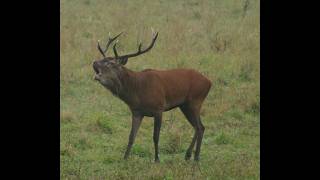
[[219, 38]]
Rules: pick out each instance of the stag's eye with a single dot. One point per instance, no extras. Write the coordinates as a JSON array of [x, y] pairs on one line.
[[111, 64]]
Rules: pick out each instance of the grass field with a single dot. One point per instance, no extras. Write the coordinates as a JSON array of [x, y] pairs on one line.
[[219, 38]]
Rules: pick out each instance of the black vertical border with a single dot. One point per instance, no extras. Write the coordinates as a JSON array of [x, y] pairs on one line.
[[286, 78], [34, 80]]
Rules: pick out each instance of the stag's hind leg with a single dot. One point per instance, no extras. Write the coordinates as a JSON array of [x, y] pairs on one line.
[[156, 134], [191, 114], [200, 130]]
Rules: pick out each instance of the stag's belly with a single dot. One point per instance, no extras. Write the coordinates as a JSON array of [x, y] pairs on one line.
[[172, 107], [172, 103], [158, 102], [152, 112]]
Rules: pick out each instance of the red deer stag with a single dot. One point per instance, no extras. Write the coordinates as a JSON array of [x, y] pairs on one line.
[[152, 92]]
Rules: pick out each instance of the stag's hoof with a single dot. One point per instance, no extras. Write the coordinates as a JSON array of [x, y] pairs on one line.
[[125, 158], [187, 156], [197, 158]]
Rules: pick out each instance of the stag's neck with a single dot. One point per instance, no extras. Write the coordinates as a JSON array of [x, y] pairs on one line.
[[128, 86]]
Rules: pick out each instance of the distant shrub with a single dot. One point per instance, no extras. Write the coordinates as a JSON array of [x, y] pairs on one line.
[[254, 107], [83, 143], [222, 139], [196, 15], [140, 151], [109, 160], [246, 71], [105, 126], [87, 2], [173, 144], [66, 116]]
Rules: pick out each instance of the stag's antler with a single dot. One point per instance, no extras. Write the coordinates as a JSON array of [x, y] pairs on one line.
[[155, 35], [108, 44]]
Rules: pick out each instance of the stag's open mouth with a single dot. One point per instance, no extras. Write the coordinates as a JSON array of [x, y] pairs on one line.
[[97, 75]]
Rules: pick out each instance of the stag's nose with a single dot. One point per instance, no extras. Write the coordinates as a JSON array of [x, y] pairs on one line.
[[95, 66]]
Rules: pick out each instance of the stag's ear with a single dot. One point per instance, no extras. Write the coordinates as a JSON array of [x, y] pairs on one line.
[[123, 61]]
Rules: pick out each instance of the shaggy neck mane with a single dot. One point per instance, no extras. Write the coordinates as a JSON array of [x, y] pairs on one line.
[[124, 85]]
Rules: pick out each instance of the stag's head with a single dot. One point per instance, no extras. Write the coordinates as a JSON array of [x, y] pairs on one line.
[[109, 69]]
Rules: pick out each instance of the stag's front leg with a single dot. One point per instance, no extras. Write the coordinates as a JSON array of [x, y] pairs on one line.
[[156, 134], [136, 121]]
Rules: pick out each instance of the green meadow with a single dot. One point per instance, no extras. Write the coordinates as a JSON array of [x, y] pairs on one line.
[[219, 38]]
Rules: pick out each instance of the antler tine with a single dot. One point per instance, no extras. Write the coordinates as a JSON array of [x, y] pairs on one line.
[[111, 40], [100, 50], [139, 48], [155, 36], [115, 50]]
